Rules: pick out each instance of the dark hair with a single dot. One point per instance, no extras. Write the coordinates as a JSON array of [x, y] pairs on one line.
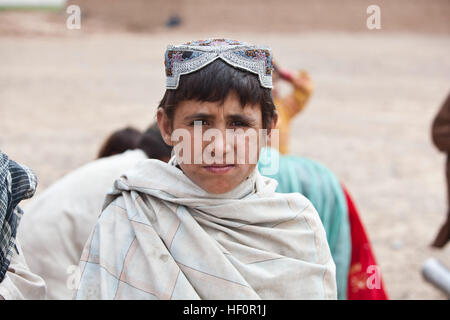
[[213, 83], [120, 141], [153, 145], [151, 142]]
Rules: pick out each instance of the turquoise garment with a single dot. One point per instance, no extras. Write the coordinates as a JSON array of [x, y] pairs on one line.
[[322, 188]]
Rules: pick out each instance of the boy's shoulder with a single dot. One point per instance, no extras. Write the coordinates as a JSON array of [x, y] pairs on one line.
[[296, 201]]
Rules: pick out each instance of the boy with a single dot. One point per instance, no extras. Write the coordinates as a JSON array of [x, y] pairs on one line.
[[207, 225]]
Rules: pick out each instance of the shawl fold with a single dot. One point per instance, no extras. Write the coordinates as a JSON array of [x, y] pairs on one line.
[[17, 182]]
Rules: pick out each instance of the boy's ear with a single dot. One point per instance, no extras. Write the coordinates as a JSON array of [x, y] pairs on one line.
[[274, 122], [273, 125], [165, 126]]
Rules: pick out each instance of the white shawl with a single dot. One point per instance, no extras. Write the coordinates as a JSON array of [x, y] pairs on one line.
[[160, 236]]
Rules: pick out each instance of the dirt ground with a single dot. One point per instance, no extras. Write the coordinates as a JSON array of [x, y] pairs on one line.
[[63, 91], [291, 16]]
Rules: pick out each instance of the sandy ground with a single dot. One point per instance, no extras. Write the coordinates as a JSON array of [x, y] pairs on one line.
[[368, 120], [145, 16]]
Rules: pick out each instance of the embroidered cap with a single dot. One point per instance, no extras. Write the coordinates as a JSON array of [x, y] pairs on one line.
[[194, 55]]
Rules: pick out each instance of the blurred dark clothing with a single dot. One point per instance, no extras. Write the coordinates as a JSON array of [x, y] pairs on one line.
[[441, 138], [17, 182]]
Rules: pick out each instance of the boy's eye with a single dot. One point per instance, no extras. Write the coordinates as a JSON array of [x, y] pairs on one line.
[[239, 124], [202, 122]]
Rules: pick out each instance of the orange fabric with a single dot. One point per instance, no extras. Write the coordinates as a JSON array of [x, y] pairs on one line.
[[288, 107]]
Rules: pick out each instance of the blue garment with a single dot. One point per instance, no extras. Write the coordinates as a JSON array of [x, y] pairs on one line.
[[322, 188]]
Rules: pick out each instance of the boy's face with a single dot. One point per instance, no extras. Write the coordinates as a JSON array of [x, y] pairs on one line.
[[220, 163]]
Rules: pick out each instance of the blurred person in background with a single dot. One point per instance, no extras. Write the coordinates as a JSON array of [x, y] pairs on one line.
[[17, 182], [322, 188], [59, 220], [130, 138], [347, 238], [441, 137], [120, 141], [290, 105], [349, 244]]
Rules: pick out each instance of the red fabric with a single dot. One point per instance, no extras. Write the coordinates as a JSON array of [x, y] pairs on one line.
[[364, 279]]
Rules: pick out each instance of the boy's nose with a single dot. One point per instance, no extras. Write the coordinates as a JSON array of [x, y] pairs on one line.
[[222, 145]]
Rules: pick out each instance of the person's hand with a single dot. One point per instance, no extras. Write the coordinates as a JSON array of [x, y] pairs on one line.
[[285, 75], [302, 81]]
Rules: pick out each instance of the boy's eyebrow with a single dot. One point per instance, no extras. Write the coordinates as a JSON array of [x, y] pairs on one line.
[[240, 117], [199, 116], [234, 117]]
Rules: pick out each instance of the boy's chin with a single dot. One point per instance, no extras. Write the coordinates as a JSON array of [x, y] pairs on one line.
[[217, 188]]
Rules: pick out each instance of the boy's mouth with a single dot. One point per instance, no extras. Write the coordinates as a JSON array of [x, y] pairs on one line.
[[219, 168]]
